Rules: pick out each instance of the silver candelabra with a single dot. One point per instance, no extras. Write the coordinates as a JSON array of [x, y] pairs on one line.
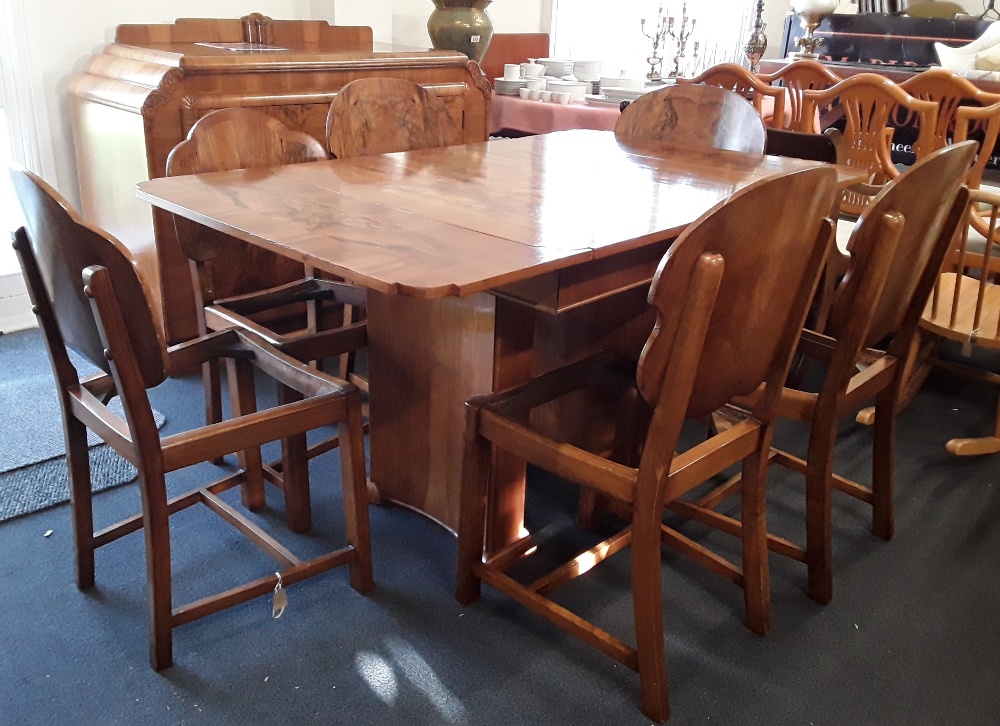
[[680, 34], [657, 38], [757, 44]]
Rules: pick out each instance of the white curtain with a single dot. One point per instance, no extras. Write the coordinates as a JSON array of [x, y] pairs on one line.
[[610, 31]]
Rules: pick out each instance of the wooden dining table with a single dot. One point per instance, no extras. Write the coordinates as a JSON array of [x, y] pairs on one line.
[[485, 264]]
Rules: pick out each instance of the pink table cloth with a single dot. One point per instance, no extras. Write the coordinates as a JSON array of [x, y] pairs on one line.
[[542, 117]]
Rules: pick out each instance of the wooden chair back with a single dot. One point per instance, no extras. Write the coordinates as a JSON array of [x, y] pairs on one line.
[[953, 95], [693, 116], [227, 139], [965, 305], [924, 197], [736, 78], [867, 101], [773, 236], [512, 48], [61, 246], [372, 116], [797, 77], [964, 111]]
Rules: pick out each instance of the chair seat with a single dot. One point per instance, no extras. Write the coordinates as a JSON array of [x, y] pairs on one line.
[[961, 330]]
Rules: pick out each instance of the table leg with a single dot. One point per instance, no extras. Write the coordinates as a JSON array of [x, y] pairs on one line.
[[425, 357]]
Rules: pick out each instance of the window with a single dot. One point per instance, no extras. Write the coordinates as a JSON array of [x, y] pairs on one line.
[[10, 211], [610, 31]]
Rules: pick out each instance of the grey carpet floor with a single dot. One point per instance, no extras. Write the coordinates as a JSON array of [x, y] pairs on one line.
[[912, 637], [32, 467]]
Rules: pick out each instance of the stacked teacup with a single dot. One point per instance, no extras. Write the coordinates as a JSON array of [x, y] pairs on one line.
[[511, 81]]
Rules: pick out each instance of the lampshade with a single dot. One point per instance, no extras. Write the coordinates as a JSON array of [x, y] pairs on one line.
[[814, 6]]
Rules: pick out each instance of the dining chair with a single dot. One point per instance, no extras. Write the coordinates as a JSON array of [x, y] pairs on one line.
[[964, 112], [693, 116], [796, 77], [89, 297], [955, 97], [897, 249], [372, 116], [749, 337], [965, 308], [867, 101], [308, 318], [738, 79]]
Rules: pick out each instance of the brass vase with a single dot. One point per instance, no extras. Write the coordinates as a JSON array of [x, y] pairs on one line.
[[462, 25]]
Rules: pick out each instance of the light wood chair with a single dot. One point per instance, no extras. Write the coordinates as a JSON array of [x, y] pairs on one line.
[[734, 77], [797, 77], [750, 337], [88, 296], [896, 251], [694, 116], [953, 94], [308, 318], [867, 101], [372, 116], [964, 111], [965, 308], [957, 121]]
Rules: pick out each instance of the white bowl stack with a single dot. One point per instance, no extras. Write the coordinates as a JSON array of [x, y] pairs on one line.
[[557, 68], [577, 89], [587, 70], [505, 87]]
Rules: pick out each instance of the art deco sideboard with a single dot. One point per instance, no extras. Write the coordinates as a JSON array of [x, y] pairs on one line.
[[139, 97]]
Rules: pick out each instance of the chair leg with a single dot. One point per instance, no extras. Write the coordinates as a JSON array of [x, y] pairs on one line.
[[212, 379], [979, 446], [473, 508], [883, 462], [81, 500], [756, 576], [295, 472], [591, 510], [647, 606], [156, 527], [243, 397], [352, 473], [819, 473]]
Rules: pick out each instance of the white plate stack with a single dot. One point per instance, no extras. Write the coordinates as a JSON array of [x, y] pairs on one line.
[[557, 68], [587, 70], [506, 87], [596, 99], [622, 94], [622, 81]]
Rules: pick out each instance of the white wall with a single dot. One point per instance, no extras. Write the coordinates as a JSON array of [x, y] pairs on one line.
[[402, 24]]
